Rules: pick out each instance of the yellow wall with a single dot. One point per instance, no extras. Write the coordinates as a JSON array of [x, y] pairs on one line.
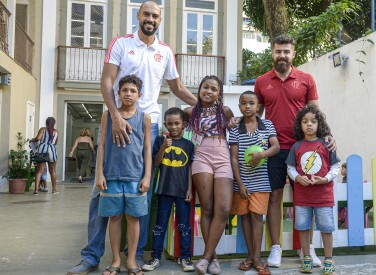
[[14, 105]]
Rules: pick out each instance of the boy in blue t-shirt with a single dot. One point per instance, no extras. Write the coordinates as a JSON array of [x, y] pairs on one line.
[[173, 154], [251, 185], [123, 174]]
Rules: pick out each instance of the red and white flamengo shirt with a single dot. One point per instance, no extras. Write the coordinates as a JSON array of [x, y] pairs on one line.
[[152, 64], [283, 100]]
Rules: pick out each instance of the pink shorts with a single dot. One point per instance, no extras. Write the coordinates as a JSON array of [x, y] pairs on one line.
[[213, 156]]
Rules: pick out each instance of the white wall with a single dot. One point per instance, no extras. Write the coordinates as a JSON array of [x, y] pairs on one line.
[[348, 102]]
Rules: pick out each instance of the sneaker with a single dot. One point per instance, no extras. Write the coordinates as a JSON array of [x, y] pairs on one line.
[[152, 264], [275, 256], [187, 265], [307, 265], [45, 189], [83, 267], [202, 266], [214, 267], [315, 259], [329, 268]]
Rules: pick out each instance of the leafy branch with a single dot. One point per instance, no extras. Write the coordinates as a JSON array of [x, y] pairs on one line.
[[362, 54]]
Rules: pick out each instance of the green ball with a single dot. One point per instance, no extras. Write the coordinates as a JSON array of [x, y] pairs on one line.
[[253, 149]]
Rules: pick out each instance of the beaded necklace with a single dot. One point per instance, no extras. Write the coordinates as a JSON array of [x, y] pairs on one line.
[[209, 110]]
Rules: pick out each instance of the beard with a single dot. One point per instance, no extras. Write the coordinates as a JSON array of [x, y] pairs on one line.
[[281, 67], [146, 31]]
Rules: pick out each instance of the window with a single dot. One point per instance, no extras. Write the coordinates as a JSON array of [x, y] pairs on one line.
[[132, 23], [22, 16], [200, 21], [87, 24]]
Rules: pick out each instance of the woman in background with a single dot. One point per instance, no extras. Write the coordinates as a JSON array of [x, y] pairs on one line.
[[48, 138], [84, 145]]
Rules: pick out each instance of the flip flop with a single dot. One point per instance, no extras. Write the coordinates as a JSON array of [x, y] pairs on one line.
[[263, 270], [112, 269], [135, 271], [246, 265]]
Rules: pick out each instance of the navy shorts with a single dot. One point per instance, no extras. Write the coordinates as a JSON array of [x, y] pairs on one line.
[[122, 197], [277, 170]]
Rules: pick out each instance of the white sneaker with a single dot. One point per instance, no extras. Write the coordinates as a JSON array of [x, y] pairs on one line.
[[275, 256], [151, 264], [186, 264], [315, 259]]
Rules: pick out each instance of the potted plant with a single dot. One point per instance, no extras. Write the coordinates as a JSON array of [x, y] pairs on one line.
[[18, 167]]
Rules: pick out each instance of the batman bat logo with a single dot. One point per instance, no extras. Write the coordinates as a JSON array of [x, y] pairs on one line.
[[175, 157]]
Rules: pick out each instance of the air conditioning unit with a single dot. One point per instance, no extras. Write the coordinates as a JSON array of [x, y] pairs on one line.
[[5, 79]]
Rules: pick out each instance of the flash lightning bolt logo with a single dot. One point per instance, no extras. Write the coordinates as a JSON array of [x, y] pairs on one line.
[[310, 162]]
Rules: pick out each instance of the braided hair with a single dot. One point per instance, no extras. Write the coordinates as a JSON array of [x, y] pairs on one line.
[[194, 121], [50, 123]]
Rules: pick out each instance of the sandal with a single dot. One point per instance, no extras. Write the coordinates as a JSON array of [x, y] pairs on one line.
[[135, 271], [246, 265], [112, 269], [263, 270]]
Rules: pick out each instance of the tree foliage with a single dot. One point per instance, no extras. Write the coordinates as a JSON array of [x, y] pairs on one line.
[[314, 25]]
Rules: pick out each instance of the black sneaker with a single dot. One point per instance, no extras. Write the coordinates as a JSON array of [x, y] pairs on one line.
[[151, 264]]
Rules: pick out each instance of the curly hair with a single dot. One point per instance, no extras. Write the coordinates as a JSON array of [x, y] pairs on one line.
[[194, 121], [323, 128], [85, 132], [283, 39], [131, 79], [174, 111]]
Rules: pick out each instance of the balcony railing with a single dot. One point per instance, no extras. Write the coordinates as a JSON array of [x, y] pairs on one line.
[[80, 64], [23, 49], [193, 68], [4, 18]]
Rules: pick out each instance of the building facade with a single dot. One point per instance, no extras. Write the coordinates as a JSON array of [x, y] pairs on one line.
[[72, 38], [20, 43]]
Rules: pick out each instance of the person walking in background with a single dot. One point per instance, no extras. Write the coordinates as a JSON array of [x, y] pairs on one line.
[[47, 137], [313, 167], [211, 167], [283, 91], [173, 155], [152, 62], [85, 148], [252, 186]]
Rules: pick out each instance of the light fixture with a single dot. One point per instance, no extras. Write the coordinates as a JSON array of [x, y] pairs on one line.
[[86, 110], [339, 59]]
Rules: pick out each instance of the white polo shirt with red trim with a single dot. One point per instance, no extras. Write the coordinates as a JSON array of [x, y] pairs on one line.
[[152, 64]]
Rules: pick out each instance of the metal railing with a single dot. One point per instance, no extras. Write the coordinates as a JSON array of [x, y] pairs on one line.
[[4, 17], [85, 65], [80, 64], [23, 49], [193, 67]]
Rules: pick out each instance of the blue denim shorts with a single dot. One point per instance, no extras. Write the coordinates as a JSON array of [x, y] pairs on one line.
[[324, 218], [122, 197]]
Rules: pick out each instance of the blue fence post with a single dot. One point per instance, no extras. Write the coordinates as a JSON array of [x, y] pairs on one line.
[[241, 246], [355, 203]]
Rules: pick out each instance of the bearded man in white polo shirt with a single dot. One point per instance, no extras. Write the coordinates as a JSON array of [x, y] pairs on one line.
[[142, 54]]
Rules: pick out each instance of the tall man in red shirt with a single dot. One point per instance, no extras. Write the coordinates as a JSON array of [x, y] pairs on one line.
[[282, 92]]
